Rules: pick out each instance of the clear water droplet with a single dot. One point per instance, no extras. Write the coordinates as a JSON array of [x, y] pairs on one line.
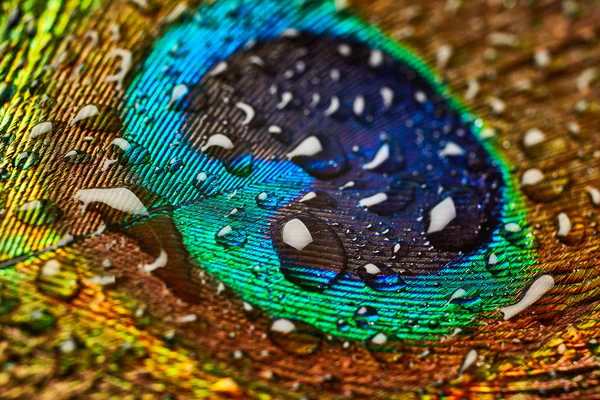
[[310, 252], [320, 156], [267, 201], [38, 212], [58, 277], [231, 237], [366, 316]]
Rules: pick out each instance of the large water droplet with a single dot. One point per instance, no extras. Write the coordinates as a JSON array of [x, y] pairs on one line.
[[310, 252], [456, 222]]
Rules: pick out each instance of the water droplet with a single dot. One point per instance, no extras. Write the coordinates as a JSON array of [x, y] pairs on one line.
[[537, 145], [121, 199], [571, 230], [538, 288], [26, 160], [38, 212], [457, 221], [342, 325], [320, 156], [388, 158], [267, 201], [130, 153], [58, 278], [318, 199], [386, 348], [39, 321], [397, 198], [310, 252], [97, 118], [545, 187], [469, 359], [365, 316], [498, 264], [237, 214], [295, 337], [381, 278], [205, 183], [231, 237], [40, 129], [77, 157]]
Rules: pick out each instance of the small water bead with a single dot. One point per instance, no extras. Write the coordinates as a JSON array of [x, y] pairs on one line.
[[399, 195], [468, 302], [521, 236], [178, 94], [236, 157], [206, 184], [267, 201], [468, 361], [537, 145], [38, 212], [231, 237], [365, 316], [281, 135], [310, 252], [175, 164]]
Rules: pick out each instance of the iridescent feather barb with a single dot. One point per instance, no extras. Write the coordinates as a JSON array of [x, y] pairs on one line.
[[280, 199]]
